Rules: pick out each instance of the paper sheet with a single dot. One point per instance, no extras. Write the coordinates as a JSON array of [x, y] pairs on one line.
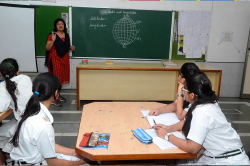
[[166, 119], [161, 143]]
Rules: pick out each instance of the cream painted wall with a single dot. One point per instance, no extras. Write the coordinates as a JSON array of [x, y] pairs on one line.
[[226, 16]]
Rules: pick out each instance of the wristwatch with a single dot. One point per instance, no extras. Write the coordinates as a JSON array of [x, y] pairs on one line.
[[166, 136], [181, 95]]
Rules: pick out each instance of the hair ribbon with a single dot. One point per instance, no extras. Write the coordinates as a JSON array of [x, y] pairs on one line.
[[9, 65], [36, 92]]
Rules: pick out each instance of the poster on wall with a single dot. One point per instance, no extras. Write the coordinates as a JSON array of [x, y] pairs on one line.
[[191, 34]]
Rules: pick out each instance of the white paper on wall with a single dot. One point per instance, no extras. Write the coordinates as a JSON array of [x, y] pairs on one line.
[[197, 52], [195, 25], [202, 41], [181, 23], [189, 52]]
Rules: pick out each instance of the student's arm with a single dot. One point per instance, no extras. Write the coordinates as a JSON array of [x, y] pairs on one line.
[[66, 151], [179, 106], [175, 127], [165, 109], [185, 145], [50, 43], [56, 161], [4, 100], [45, 142]]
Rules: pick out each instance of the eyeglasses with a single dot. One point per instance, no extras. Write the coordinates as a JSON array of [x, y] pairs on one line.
[[59, 24], [183, 89]]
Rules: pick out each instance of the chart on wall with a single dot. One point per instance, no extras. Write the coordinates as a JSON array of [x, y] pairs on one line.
[[121, 33], [191, 34]]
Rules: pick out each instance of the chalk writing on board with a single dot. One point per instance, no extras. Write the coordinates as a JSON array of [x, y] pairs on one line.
[[125, 32], [97, 25], [106, 11], [94, 18]]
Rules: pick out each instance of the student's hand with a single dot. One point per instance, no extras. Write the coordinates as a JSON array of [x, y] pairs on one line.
[[158, 126], [77, 155], [154, 112], [179, 87], [72, 48], [81, 162], [161, 132], [53, 36]]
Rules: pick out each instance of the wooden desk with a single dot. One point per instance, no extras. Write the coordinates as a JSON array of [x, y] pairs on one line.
[[3, 115], [118, 118], [134, 81]]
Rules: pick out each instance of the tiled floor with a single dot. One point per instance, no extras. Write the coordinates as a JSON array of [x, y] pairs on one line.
[[67, 118]]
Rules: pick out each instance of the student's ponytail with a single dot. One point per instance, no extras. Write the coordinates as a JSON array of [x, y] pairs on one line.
[[9, 69], [44, 87], [200, 85], [32, 108]]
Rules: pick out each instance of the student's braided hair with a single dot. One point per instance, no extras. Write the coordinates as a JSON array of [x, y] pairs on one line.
[[44, 87], [9, 68], [201, 86]]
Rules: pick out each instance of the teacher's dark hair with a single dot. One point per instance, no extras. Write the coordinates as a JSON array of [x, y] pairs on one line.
[[186, 70], [9, 68], [200, 85], [56, 21], [46, 84]]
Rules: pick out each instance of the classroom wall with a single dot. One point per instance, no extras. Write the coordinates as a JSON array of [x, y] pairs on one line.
[[226, 16]]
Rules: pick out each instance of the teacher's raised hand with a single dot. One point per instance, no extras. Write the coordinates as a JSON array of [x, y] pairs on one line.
[[53, 36]]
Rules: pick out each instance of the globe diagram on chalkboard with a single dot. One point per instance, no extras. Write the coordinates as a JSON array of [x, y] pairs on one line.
[[124, 31]]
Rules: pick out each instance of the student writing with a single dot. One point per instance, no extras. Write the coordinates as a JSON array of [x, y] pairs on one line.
[[180, 105], [206, 126]]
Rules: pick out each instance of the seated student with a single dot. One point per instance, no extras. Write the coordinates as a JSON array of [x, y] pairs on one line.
[[206, 126], [34, 139], [179, 105], [15, 91]]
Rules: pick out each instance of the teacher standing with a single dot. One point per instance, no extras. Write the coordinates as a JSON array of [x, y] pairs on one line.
[[57, 54]]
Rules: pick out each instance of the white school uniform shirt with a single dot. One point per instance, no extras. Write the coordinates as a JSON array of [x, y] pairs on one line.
[[24, 87], [36, 138], [210, 129]]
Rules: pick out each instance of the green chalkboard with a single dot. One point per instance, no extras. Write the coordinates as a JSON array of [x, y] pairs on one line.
[[121, 33], [44, 24]]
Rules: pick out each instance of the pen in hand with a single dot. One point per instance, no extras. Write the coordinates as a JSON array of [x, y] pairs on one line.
[[154, 121]]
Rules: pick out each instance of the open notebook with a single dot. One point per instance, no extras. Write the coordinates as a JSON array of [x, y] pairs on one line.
[[166, 119]]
